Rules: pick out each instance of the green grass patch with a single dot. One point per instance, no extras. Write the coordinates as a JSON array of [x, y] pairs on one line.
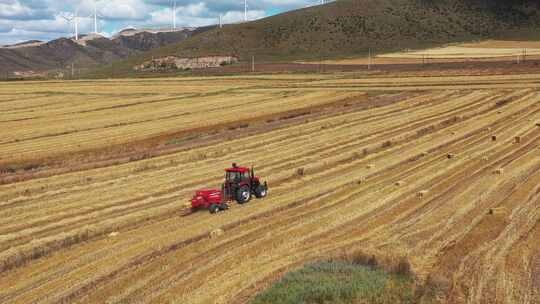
[[340, 282]]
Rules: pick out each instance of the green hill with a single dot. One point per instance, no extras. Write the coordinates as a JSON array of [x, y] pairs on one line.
[[352, 27]]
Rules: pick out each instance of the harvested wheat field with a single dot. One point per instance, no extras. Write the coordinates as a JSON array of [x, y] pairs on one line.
[[96, 175], [481, 51]]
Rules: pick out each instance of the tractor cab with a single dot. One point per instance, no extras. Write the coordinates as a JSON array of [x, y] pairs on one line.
[[237, 174], [241, 183]]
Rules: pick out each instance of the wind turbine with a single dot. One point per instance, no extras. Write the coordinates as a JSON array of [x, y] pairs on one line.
[[95, 15], [245, 11], [95, 18], [174, 14], [74, 18]]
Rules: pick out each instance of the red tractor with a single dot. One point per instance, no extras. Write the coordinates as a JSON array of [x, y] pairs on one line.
[[240, 185]]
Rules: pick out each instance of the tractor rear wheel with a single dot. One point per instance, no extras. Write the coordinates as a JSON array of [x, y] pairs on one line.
[[261, 191], [243, 195], [214, 208]]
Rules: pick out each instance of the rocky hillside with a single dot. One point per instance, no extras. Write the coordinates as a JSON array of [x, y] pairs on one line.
[[90, 50]]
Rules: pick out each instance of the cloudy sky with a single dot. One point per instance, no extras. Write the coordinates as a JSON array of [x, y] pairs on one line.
[[22, 20]]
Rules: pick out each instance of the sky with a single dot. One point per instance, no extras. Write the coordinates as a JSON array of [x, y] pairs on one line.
[[23, 20]]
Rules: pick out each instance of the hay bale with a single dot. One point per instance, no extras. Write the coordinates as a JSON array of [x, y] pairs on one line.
[[485, 158], [387, 144], [494, 138], [370, 166], [423, 193], [450, 156], [498, 210], [300, 172], [517, 139], [499, 171], [114, 234], [454, 133], [425, 153], [538, 124], [488, 129], [216, 233], [400, 183], [361, 180]]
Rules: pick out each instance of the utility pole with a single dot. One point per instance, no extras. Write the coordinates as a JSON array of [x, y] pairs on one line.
[[369, 59], [72, 70], [252, 63]]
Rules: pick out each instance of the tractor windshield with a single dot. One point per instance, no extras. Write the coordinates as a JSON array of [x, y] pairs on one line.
[[236, 176], [232, 176]]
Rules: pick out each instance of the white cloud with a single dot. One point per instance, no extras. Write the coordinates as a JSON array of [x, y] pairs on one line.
[[125, 10], [196, 9], [39, 19], [237, 16], [12, 9]]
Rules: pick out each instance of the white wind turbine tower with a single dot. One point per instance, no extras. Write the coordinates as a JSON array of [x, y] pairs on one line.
[[95, 18], [245, 11], [75, 20], [174, 14], [95, 15]]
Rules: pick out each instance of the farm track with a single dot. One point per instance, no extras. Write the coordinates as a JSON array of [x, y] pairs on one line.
[[54, 231]]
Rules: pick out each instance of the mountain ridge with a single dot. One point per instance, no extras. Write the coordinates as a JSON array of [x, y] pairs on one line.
[[90, 50]]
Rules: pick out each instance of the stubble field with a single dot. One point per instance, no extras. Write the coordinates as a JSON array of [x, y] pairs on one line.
[[490, 51], [393, 166]]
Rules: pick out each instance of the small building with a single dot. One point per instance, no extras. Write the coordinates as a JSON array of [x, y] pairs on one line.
[[185, 63]]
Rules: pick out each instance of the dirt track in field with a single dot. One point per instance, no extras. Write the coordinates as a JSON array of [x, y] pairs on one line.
[[415, 173]]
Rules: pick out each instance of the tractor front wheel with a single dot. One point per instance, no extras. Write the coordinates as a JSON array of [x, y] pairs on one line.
[[261, 191], [243, 195], [214, 208]]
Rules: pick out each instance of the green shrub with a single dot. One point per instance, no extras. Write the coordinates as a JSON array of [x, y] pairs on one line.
[[339, 282]]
